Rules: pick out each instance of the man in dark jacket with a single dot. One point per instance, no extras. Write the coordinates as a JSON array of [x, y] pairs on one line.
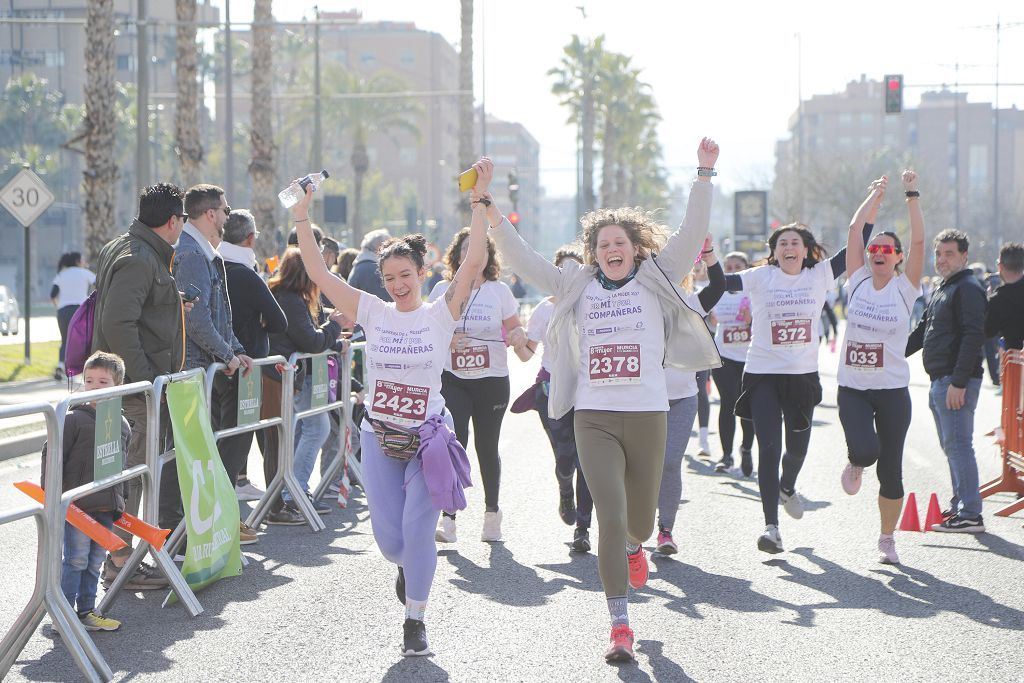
[[364, 273], [254, 310], [139, 317], [952, 338], [1006, 307]]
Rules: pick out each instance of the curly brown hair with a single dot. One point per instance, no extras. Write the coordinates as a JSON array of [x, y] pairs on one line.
[[642, 228], [453, 257]]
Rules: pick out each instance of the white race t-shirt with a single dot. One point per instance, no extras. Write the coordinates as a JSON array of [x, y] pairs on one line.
[[405, 353], [683, 383], [622, 348], [485, 354], [74, 284], [786, 310], [537, 328], [877, 327], [733, 334]]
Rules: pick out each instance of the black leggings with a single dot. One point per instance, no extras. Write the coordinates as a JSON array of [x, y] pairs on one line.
[[875, 422], [770, 411], [64, 316], [485, 400], [703, 403], [728, 380]]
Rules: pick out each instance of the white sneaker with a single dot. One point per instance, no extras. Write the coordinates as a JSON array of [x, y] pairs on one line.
[[705, 448], [887, 550], [492, 527], [248, 492], [793, 505], [851, 478], [770, 541], [446, 532]]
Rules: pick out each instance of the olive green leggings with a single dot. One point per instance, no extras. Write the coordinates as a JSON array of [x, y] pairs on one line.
[[622, 454]]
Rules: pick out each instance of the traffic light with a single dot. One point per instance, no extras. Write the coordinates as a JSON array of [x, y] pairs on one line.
[[513, 218], [894, 94], [513, 189]]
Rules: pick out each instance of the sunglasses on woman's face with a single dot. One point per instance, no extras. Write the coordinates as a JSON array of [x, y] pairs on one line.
[[883, 249]]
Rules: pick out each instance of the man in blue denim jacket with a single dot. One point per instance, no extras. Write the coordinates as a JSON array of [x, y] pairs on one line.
[[209, 337]]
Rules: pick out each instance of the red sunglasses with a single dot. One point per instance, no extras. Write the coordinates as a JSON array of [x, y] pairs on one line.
[[883, 248]]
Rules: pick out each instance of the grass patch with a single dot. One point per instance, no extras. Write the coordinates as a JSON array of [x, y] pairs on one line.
[[12, 361]]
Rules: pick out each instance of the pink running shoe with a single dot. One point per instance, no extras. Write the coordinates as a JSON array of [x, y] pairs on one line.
[[666, 546], [620, 649], [851, 478], [637, 568]]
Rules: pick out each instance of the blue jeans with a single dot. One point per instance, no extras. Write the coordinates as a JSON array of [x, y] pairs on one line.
[[956, 437], [80, 570], [311, 432]]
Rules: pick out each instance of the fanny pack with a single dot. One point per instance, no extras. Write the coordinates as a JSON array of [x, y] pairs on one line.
[[396, 442]]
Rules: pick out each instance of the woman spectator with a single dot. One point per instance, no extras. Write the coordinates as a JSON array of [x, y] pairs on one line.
[[70, 289]]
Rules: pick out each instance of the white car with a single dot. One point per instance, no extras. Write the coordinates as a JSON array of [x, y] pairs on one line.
[[9, 312]]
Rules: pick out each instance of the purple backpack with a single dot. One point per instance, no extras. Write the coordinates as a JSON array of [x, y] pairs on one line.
[[79, 344]]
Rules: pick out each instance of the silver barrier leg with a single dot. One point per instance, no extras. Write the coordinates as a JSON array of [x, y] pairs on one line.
[[29, 619], [263, 505], [84, 651], [122, 576], [179, 585]]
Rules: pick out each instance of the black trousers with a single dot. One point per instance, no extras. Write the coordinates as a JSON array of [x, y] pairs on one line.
[[234, 450], [875, 422], [484, 400]]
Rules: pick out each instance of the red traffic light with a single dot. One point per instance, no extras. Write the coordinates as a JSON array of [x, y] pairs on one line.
[[894, 83], [513, 218]]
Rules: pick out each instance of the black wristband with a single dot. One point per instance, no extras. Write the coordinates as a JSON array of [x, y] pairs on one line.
[[483, 200], [912, 193], [707, 251]]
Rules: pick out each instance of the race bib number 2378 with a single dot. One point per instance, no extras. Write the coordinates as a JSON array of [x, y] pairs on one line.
[[615, 364]]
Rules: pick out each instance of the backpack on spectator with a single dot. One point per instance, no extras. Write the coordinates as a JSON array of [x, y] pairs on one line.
[[79, 344]]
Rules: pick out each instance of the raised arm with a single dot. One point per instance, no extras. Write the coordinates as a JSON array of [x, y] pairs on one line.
[[676, 258], [710, 295], [915, 255], [344, 296], [476, 257], [866, 213]]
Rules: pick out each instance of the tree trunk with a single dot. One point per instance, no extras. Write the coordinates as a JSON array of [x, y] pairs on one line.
[[609, 149], [261, 136], [466, 118], [188, 145], [360, 165], [587, 162], [100, 176]]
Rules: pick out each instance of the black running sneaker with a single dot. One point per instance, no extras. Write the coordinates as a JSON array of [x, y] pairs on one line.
[[567, 508], [400, 586], [961, 525], [746, 462], [415, 643], [581, 540], [725, 464]]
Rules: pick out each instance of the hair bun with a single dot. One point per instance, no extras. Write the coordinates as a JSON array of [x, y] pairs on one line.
[[417, 243]]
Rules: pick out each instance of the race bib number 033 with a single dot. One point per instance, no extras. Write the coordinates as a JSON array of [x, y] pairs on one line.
[[615, 364], [402, 404], [865, 356], [736, 335], [471, 360], [795, 332]]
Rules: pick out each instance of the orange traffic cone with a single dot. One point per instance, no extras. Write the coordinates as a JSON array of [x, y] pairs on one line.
[[934, 515], [910, 521]]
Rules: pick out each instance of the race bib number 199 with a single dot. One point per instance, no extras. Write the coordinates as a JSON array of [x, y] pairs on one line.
[[791, 333], [736, 335], [402, 404], [615, 364]]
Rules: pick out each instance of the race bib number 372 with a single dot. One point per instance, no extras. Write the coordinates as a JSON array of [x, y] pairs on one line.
[[796, 332], [402, 404], [615, 364]]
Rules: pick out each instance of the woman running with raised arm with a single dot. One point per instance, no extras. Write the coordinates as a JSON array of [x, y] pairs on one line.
[[406, 347], [874, 401], [618, 321], [780, 380]]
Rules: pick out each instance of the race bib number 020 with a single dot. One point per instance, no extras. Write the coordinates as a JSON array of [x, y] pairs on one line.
[[736, 335], [471, 360], [795, 332], [402, 404], [865, 356], [615, 364]]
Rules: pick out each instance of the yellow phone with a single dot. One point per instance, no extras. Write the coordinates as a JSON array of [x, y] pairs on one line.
[[467, 180]]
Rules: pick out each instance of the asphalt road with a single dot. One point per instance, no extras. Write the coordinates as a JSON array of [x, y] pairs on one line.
[[322, 605], [44, 329]]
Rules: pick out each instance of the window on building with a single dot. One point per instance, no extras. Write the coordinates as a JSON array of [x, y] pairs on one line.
[[867, 118], [407, 58], [912, 134], [124, 63], [368, 59], [845, 141], [845, 119], [408, 155], [977, 165]]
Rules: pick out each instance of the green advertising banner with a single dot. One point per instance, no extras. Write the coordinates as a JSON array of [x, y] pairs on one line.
[[250, 394], [211, 508], [320, 382], [108, 453]]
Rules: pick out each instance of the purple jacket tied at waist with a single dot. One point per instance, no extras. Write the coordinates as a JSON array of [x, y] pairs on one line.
[[445, 465]]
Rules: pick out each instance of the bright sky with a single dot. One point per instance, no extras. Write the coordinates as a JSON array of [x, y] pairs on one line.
[[726, 69]]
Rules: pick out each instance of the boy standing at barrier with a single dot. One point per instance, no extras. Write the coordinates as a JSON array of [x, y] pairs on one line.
[[80, 570]]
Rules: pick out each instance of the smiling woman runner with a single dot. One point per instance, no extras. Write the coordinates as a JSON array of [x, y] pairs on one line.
[[874, 401], [618, 321], [780, 380], [406, 347]]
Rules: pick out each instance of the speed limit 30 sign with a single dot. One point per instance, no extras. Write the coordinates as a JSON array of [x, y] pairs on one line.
[[26, 197]]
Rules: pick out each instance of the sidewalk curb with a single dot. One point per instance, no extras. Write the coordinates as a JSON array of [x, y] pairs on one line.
[[22, 444]]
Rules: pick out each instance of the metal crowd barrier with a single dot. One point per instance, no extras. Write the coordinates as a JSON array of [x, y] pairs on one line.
[[1011, 477], [349, 438]]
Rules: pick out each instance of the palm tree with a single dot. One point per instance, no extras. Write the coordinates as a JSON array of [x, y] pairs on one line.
[[100, 176], [261, 135], [619, 87], [187, 143], [577, 81], [466, 118]]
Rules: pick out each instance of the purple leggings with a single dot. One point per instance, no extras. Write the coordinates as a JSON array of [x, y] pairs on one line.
[[401, 514]]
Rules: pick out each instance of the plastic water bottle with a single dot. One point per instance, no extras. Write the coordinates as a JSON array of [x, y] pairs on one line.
[[291, 195]]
